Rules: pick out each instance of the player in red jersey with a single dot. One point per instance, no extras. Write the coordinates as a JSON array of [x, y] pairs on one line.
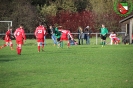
[[8, 39], [40, 32], [65, 36], [20, 37]]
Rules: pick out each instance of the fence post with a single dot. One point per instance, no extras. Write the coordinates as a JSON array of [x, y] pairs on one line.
[[96, 38]]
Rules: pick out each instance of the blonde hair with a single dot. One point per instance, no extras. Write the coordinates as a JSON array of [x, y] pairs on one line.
[[80, 28]]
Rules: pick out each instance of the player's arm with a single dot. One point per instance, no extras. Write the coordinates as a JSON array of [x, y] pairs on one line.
[[24, 36], [110, 36], [35, 33], [15, 34], [106, 31], [70, 36], [44, 31]]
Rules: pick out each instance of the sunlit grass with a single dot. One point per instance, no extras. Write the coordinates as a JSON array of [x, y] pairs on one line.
[[81, 66]]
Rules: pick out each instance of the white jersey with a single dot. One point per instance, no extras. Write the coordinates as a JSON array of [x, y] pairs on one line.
[[112, 36]]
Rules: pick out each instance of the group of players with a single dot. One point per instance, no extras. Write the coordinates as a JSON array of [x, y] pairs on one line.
[[40, 32], [60, 34]]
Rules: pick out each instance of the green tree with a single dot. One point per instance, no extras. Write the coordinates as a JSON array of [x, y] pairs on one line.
[[23, 13], [104, 13]]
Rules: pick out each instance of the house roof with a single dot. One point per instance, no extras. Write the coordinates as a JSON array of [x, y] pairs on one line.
[[129, 17]]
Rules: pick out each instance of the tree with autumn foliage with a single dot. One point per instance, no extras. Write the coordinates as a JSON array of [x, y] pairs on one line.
[[68, 13]]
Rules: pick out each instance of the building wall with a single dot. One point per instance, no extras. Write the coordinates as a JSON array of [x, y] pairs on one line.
[[127, 26], [131, 29], [124, 28]]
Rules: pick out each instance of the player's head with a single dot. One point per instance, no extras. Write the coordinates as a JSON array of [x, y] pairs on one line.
[[80, 28], [10, 28], [50, 26], [21, 25], [87, 27], [40, 23], [59, 27], [113, 32], [103, 25]]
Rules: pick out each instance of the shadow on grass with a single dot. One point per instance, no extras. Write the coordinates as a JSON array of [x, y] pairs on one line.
[[5, 58], [94, 47]]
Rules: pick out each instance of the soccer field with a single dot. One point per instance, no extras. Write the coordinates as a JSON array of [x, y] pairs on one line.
[[80, 66]]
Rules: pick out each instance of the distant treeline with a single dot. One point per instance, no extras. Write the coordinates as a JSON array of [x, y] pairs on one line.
[[68, 13]]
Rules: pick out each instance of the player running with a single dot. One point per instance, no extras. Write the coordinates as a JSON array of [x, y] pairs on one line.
[[40, 32], [8, 40], [20, 37]]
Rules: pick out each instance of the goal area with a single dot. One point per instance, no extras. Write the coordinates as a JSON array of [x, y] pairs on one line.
[[4, 26]]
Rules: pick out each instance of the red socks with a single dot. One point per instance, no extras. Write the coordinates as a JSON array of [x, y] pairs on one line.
[[42, 48], [4, 45], [19, 50]]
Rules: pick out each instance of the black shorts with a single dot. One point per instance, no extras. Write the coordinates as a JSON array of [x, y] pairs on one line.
[[58, 39], [103, 37]]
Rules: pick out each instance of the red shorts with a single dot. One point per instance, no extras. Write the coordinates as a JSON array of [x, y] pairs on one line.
[[19, 42], [8, 40], [64, 38], [115, 39], [40, 39]]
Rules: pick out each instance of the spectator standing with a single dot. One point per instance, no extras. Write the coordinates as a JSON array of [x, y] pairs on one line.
[[80, 36], [53, 37], [87, 34]]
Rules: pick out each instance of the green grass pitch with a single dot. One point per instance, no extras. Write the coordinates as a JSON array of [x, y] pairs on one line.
[[81, 66]]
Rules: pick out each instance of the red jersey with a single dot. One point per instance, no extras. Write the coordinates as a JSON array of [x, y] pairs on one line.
[[40, 32], [65, 34], [8, 35], [19, 34]]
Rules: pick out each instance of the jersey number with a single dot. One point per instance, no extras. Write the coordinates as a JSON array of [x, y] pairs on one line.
[[18, 33], [39, 31]]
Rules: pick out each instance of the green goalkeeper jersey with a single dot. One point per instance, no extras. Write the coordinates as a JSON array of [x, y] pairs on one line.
[[104, 31], [57, 33]]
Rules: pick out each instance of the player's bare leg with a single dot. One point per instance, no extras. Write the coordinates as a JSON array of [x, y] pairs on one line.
[[3, 46], [68, 44], [116, 42], [6, 44], [38, 44], [11, 45]]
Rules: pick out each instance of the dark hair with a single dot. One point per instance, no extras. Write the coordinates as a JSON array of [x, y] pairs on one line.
[[10, 27], [21, 25], [114, 31], [40, 23]]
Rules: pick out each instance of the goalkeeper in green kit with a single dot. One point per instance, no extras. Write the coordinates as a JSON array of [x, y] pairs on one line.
[[104, 32]]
